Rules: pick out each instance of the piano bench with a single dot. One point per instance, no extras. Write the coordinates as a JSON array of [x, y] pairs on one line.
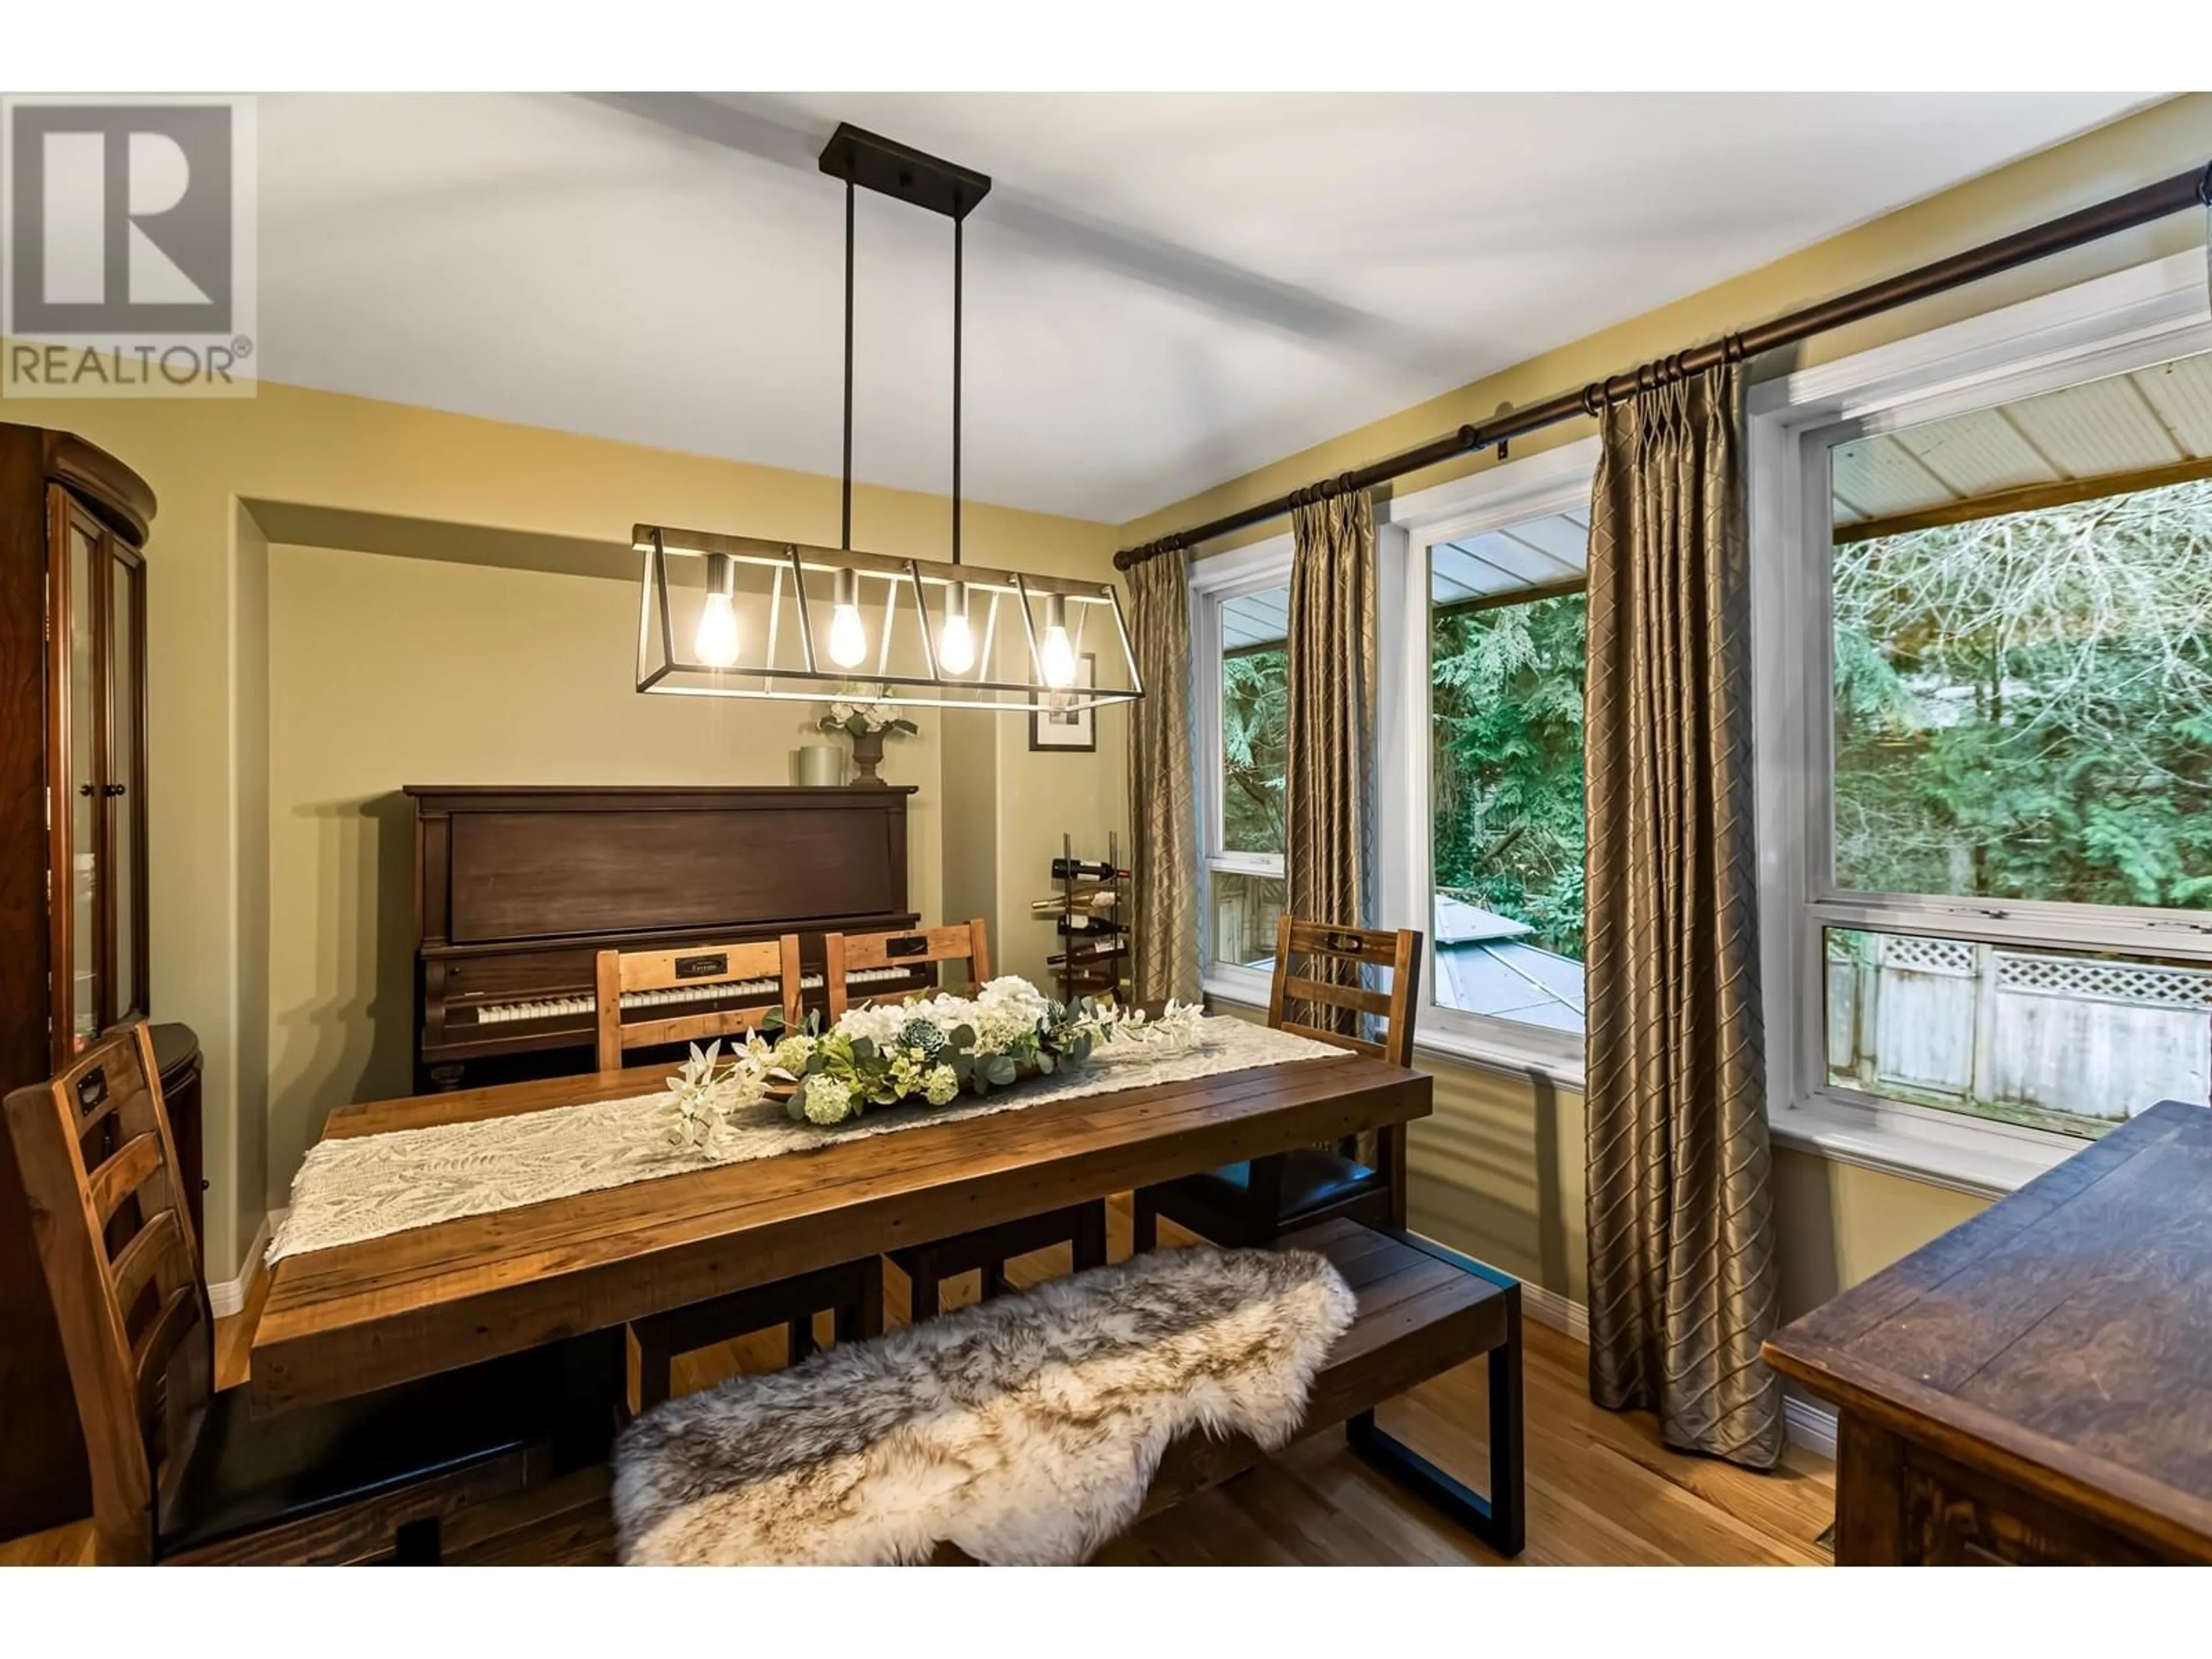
[[987, 1249], [851, 1291]]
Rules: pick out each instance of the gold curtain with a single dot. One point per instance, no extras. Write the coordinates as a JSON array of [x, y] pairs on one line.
[[1163, 802], [1681, 1258], [1328, 784]]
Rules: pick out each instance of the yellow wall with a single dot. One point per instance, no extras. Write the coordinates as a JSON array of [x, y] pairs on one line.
[[1498, 1170], [293, 688]]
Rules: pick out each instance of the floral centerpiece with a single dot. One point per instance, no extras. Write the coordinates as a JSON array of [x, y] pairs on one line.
[[928, 1050], [866, 723]]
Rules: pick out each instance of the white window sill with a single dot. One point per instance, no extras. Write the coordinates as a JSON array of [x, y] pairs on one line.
[[1986, 1160], [1491, 1056]]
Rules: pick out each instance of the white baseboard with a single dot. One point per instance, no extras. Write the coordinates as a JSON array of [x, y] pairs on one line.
[[1550, 1308], [227, 1297], [1811, 1425]]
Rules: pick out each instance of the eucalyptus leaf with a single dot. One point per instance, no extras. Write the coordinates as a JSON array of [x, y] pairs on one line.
[[1044, 1064], [999, 1069], [864, 1047], [961, 1037]]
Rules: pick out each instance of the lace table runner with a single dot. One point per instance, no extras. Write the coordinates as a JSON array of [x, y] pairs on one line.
[[368, 1186]]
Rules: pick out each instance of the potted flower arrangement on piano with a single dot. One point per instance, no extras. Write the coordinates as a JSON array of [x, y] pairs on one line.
[[926, 1051]]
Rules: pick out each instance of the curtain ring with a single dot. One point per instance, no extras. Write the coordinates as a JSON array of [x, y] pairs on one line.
[[1594, 401], [1732, 348]]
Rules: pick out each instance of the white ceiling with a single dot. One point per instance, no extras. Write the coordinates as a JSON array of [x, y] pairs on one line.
[[1164, 291]]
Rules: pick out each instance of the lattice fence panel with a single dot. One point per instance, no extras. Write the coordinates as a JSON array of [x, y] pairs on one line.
[[1930, 956], [2144, 984]]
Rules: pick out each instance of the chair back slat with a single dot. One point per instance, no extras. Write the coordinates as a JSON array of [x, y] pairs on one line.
[[1356, 998], [1377, 947], [773, 962], [1330, 989], [852, 953], [151, 1255], [123, 1174], [1360, 1045], [104, 1233], [151, 1354]]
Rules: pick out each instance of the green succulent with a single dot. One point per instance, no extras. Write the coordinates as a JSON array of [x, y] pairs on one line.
[[923, 1037]]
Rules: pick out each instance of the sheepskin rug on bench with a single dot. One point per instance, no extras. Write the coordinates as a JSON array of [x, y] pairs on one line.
[[1022, 1431]]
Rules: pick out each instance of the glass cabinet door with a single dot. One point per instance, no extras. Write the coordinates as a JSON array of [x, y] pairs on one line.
[[82, 575], [124, 785], [97, 820]]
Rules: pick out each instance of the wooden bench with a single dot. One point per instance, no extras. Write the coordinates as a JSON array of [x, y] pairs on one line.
[[1423, 1310]]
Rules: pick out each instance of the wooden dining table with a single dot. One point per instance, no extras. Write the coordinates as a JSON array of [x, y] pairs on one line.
[[573, 1271]]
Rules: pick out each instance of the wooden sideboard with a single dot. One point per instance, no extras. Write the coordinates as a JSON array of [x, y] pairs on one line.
[[2034, 1387]]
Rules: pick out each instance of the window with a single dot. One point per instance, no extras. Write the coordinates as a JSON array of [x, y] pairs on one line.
[[1506, 657], [1986, 644], [1480, 784], [1242, 606]]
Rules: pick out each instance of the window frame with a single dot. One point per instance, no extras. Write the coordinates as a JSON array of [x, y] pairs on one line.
[[1213, 582], [2131, 319], [1551, 481]]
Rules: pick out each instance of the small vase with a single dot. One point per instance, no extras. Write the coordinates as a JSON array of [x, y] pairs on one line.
[[867, 755]]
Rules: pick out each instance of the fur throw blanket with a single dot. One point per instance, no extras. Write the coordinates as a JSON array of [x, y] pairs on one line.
[[1023, 1431]]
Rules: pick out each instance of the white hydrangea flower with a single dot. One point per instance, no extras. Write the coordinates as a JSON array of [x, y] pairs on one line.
[[879, 1024], [941, 1085], [791, 1055], [825, 1100]]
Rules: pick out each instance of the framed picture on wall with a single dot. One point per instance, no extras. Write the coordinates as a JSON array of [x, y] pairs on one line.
[[1071, 729]]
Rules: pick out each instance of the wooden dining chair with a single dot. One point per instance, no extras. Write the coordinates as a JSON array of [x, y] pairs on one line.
[[849, 954], [649, 975], [1249, 1205], [852, 1293], [985, 1250], [180, 1473]]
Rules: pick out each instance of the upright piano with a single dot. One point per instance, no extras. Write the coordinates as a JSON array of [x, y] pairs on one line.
[[517, 890]]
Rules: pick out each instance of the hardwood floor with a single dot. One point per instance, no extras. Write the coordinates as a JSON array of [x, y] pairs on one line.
[[1602, 1489]]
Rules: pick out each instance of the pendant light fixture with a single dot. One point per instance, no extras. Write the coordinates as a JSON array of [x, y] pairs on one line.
[[728, 616]]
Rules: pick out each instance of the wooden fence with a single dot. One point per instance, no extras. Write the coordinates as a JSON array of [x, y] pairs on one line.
[[2017, 1032]]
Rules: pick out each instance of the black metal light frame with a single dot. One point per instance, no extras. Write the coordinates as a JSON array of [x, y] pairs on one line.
[[866, 162]]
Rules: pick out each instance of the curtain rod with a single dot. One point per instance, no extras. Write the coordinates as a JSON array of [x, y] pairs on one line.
[[2090, 224]]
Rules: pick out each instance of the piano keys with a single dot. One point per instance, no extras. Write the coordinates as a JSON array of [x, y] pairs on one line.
[[517, 890], [738, 993]]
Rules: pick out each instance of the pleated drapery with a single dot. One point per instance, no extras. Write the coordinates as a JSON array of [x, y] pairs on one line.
[[1681, 1261], [1328, 783], [1163, 783]]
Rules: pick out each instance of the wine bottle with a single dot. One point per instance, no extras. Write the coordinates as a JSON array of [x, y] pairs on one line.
[[1087, 950], [1084, 898], [1086, 869], [1088, 923]]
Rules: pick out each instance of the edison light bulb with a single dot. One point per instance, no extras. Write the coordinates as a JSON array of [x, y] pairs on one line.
[[1056, 656], [956, 646], [848, 639], [716, 642]]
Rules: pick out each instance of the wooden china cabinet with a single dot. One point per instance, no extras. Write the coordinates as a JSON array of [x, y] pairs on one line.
[[73, 910]]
